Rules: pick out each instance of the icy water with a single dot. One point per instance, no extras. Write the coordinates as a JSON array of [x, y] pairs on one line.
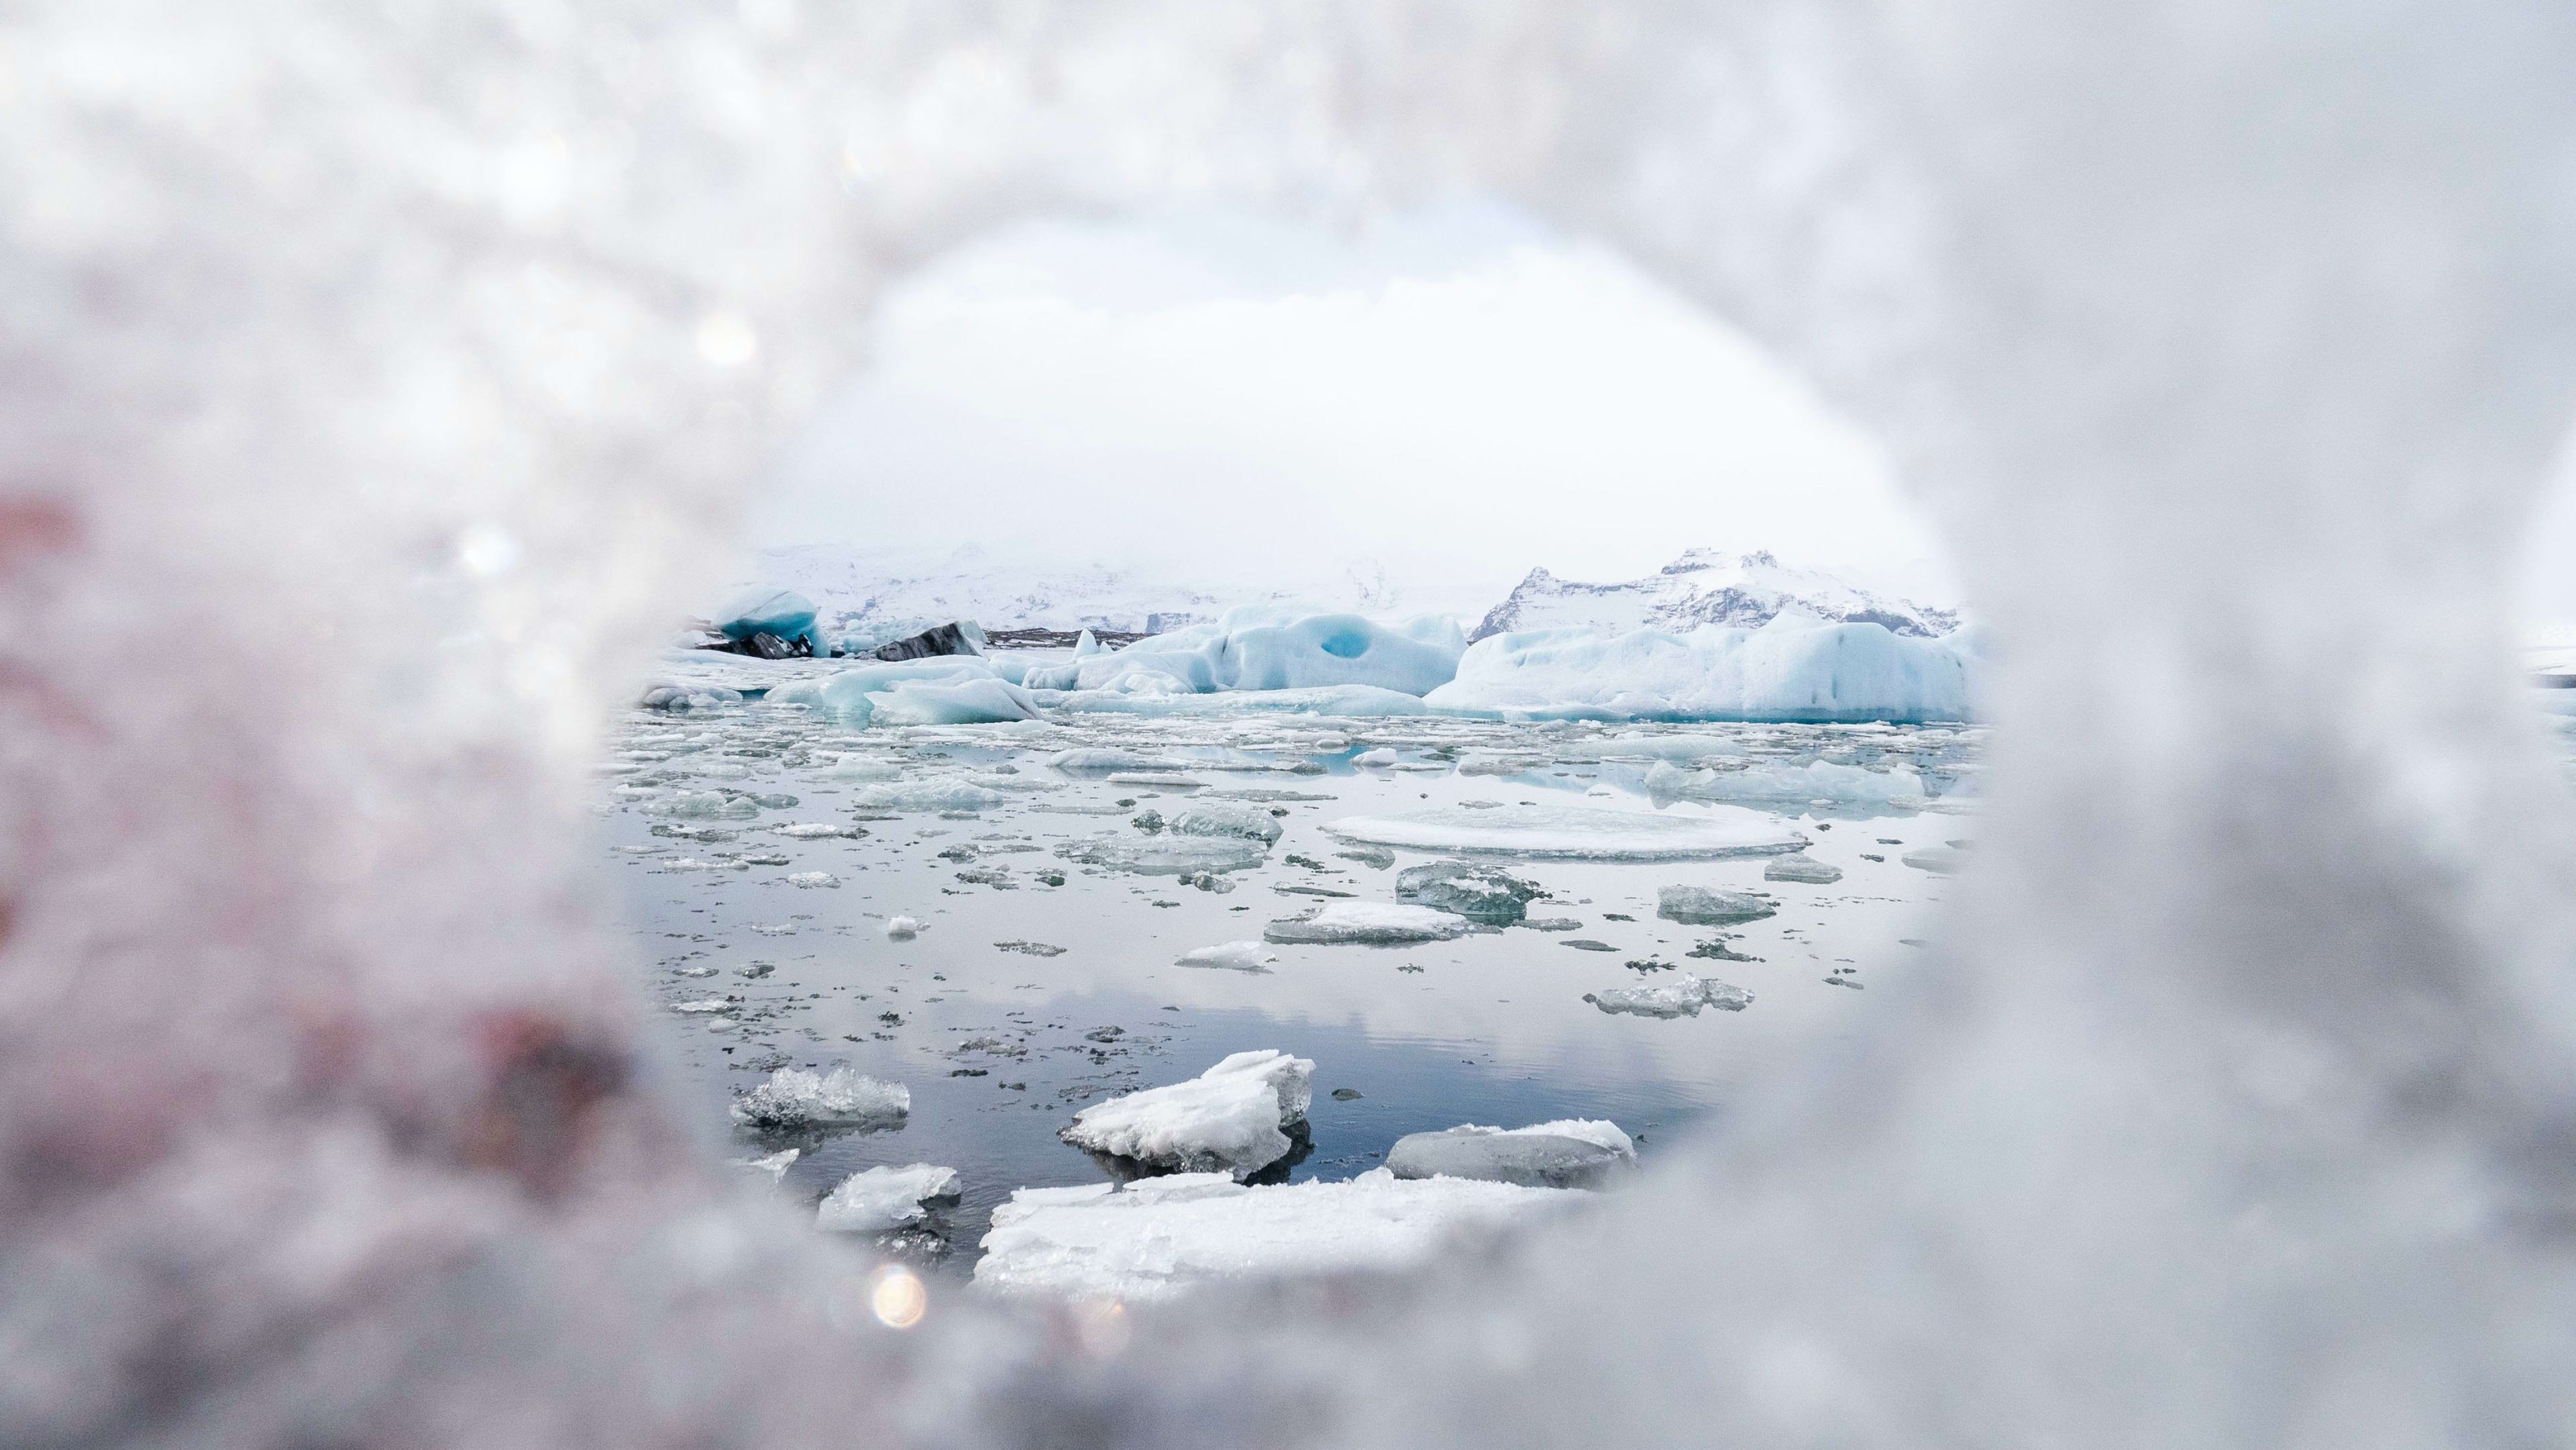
[[1037, 984]]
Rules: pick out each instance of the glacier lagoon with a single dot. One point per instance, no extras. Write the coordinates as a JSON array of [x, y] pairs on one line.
[[1055, 875]]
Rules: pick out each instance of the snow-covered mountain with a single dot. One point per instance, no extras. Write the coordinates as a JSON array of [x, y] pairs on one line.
[[1704, 586]]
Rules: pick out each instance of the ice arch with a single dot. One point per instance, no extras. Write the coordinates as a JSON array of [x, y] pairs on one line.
[[2227, 344]]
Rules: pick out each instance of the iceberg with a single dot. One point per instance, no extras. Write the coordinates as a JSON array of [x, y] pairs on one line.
[[1365, 923], [1234, 956], [1159, 1238], [941, 690], [937, 793], [1479, 892], [780, 612], [1574, 833], [796, 1098], [688, 697], [1796, 667], [1574, 1153], [1682, 997], [1229, 1118], [1700, 906], [1260, 648], [1348, 701], [876, 1199], [1165, 856], [1220, 818]]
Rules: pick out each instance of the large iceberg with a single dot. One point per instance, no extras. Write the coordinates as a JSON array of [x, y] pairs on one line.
[[943, 690], [1160, 1237], [781, 612], [1231, 1117], [1797, 667], [1266, 648]]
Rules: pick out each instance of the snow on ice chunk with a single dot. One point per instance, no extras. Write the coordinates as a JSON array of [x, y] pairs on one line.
[[1234, 956], [796, 1098], [1228, 1118], [1165, 855], [1366, 923], [1574, 833], [815, 830], [1682, 997], [703, 1005], [1162, 1237], [810, 879], [1801, 867], [1847, 787], [1700, 906], [876, 1199], [1797, 667], [1475, 890], [902, 928], [1220, 818], [1570, 1154], [1258, 649]]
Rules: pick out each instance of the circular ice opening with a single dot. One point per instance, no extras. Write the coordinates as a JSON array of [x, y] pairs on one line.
[[1350, 644]]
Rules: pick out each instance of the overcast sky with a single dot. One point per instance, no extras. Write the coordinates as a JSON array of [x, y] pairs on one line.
[[1449, 398], [1452, 397]]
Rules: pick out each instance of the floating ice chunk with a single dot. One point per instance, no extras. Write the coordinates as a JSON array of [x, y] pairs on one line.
[[1476, 891], [772, 1166], [850, 767], [902, 928], [1366, 923], [1379, 756], [937, 793], [1161, 779], [1165, 855], [1161, 1237], [1798, 866], [1939, 860], [956, 690], [1796, 667], [1487, 762], [796, 1098], [1236, 956], [1681, 997], [703, 1005], [1569, 1154], [692, 863], [1699, 906], [816, 830], [687, 697], [1228, 1118], [1219, 818], [1847, 787], [1096, 761], [701, 805], [1251, 650], [876, 1199], [1574, 833], [810, 879]]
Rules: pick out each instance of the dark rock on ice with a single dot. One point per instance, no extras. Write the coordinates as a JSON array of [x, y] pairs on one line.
[[960, 638]]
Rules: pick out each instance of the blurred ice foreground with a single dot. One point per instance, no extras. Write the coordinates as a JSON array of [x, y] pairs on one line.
[[2229, 343]]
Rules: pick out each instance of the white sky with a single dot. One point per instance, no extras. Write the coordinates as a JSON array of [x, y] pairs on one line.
[[1452, 398], [1448, 399]]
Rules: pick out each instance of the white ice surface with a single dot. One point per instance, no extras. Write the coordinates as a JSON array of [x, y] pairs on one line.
[[1794, 668], [875, 1199], [1367, 923], [1238, 956], [1682, 996], [1161, 1237], [1227, 1118], [794, 1097], [1575, 833], [1261, 649]]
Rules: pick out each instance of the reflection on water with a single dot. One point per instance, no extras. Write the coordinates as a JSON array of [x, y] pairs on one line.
[[764, 849]]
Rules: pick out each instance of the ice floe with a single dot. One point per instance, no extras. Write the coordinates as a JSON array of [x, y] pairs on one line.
[[1165, 855], [1234, 956], [1161, 1237], [794, 1097], [1222, 818], [1801, 867], [1573, 1153], [1478, 891], [1681, 997], [1574, 833], [937, 793], [876, 1199], [1815, 783], [1231, 1117], [1366, 923], [1701, 906]]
